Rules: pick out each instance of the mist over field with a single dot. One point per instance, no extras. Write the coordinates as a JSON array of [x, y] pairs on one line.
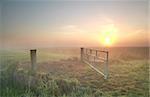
[[83, 48], [128, 72]]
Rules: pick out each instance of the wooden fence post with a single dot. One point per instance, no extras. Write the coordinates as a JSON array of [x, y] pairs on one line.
[[33, 60], [82, 54], [96, 52]]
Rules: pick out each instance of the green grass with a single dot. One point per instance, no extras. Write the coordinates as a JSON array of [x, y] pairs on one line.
[[128, 75]]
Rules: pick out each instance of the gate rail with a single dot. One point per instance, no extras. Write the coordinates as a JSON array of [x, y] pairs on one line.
[[92, 56]]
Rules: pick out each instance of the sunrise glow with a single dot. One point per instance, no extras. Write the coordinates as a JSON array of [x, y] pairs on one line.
[[108, 36], [107, 41], [57, 24]]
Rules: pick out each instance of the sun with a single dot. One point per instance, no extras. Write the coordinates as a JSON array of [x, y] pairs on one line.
[[108, 41], [108, 36]]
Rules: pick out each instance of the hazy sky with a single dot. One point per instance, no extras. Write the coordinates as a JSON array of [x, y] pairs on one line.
[[73, 23]]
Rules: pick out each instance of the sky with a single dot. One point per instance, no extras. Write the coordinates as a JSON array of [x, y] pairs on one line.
[[69, 23]]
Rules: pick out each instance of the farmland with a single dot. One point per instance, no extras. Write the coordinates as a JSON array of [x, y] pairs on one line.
[[60, 73]]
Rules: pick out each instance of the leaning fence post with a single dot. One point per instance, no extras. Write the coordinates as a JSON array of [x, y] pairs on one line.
[[106, 66], [33, 60], [81, 54]]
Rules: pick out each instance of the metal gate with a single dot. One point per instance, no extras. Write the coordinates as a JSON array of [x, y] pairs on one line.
[[96, 59]]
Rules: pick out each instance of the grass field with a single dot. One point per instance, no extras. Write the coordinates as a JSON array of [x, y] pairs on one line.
[[60, 73]]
